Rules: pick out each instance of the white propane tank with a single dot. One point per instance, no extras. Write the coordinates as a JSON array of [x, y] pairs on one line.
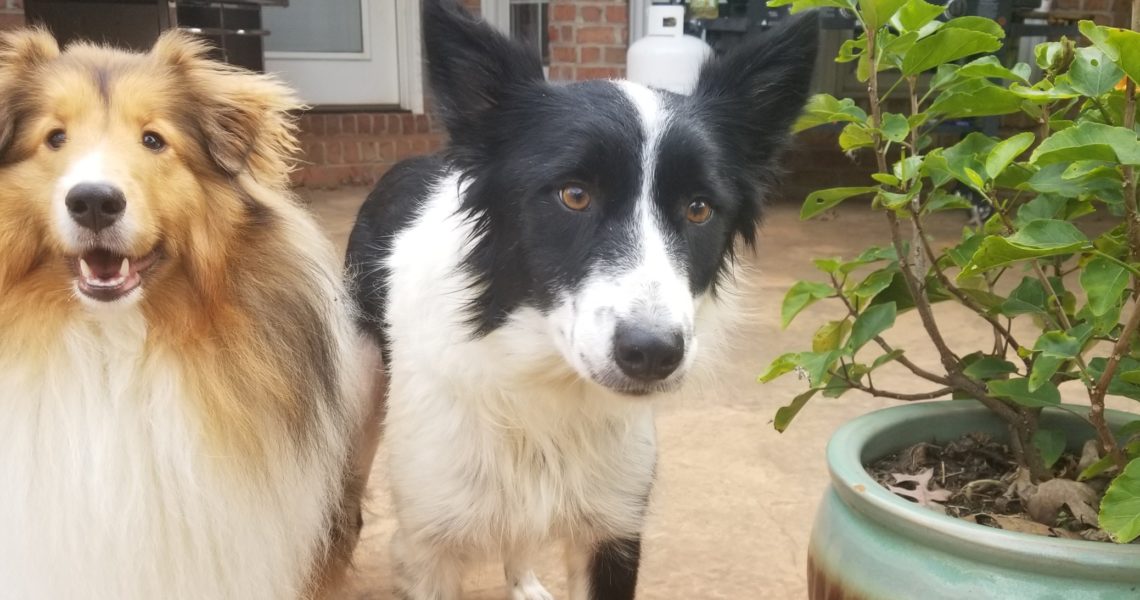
[[666, 58]]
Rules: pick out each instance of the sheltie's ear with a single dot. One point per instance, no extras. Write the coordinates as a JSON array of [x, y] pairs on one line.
[[471, 67], [246, 119], [21, 52]]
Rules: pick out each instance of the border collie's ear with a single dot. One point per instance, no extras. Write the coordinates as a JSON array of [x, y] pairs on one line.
[[471, 66], [21, 50], [754, 93], [244, 117]]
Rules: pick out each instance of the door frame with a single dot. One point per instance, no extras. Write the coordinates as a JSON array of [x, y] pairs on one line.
[[410, 55], [409, 60]]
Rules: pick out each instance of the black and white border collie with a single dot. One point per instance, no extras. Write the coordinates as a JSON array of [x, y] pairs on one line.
[[535, 283]]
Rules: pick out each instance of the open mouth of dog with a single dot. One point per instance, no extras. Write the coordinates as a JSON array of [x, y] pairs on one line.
[[107, 276]]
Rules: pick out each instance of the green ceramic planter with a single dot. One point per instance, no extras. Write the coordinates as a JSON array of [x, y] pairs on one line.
[[869, 544]]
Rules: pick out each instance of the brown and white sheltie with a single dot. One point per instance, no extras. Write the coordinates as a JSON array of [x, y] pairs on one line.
[[177, 362]]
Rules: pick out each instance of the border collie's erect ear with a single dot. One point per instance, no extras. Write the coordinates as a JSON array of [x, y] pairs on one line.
[[471, 66], [753, 94]]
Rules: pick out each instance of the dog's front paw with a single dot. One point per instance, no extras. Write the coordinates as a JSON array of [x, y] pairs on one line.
[[527, 587]]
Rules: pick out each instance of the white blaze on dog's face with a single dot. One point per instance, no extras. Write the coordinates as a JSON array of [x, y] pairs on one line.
[[111, 158], [629, 325], [610, 208]]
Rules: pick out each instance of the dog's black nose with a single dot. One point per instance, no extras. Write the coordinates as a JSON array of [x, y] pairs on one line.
[[648, 354], [95, 206]]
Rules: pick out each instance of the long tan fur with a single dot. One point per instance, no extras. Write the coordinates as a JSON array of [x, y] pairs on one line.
[[240, 344]]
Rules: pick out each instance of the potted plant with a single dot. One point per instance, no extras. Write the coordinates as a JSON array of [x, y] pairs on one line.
[[1061, 303]]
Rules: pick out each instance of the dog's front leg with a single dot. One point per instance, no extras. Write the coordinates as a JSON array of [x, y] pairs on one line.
[[521, 580], [604, 570], [424, 571]]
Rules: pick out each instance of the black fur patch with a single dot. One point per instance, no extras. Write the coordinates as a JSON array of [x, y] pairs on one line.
[[613, 569], [390, 208]]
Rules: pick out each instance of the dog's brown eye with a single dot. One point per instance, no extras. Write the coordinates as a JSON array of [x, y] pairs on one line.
[[153, 141], [56, 139], [574, 197], [699, 211]]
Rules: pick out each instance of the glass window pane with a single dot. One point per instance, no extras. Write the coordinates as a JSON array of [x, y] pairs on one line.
[[529, 23], [314, 26]]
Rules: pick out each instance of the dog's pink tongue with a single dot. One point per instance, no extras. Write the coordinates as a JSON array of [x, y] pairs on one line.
[[103, 264]]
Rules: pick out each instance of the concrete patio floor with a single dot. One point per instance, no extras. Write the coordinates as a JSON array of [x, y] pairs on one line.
[[734, 502]]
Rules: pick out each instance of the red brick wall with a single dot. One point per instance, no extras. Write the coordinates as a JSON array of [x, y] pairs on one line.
[[11, 14], [1104, 12], [588, 39], [357, 148]]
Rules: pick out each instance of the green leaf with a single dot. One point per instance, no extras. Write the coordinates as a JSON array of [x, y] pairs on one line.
[[785, 414], [976, 98], [915, 14], [1117, 387], [989, 67], [855, 136], [1103, 183], [821, 200], [952, 162], [1058, 344], [1027, 298], [1040, 238], [1044, 206], [1120, 508], [1104, 281], [988, 300], [1044, 367], [956, 39], [1051, 443], [963, 252], [802, 5], [874, 283], [939, 200], [885, 178], [891, 356], [1132, 377], [975, 180], [830, 336], [878, 12], [985, 368], [1093, 73], [818, 366], [827, 265], [1018, 391], [895, 127], [1089, 141], [801, 295], [785, 363], [870, 323], [1120, 45], [822, 109], [1006, 151], [1043, 92]]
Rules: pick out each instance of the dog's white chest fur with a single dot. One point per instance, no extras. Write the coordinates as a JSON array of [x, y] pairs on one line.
[[495, 443], [109, 491]]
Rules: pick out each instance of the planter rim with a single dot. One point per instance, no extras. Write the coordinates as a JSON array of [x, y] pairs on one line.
[[1040, 553]]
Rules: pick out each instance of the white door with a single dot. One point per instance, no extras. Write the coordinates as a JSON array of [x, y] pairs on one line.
[[335, 52]]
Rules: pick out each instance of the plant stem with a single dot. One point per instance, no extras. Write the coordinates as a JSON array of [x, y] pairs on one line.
[[902, 360], [1129, 123], [871, 389], [1096, 397], [967, 301]]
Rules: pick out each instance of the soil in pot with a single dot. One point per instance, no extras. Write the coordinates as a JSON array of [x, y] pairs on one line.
[[976, 478]]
